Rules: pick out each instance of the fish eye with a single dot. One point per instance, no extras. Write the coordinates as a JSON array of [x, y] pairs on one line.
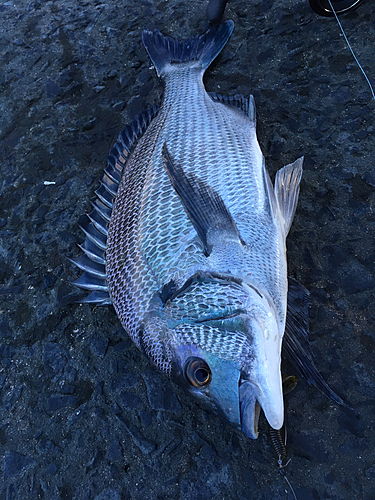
[[197, 372]]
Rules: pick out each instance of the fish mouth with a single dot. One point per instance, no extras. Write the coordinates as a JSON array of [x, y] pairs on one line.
[[249, 409], [252, 400]]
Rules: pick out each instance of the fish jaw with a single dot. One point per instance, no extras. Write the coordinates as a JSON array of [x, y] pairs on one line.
[[250, 409], [261, 382], [252, 400]]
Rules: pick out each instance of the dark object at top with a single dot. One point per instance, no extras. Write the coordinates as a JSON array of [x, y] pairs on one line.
[[215, 10], [323, 7]]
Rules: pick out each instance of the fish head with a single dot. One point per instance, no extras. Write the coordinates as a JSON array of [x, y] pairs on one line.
[[235, 371], [210, 378]]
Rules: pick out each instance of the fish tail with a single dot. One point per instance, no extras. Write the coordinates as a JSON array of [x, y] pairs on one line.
[[165, 51]]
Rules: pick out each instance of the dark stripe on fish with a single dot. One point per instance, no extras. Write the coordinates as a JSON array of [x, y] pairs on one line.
[[170, 291]]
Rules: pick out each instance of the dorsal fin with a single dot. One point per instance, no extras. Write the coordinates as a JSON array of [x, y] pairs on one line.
[[96, 227], [287, 184], [245, 104]]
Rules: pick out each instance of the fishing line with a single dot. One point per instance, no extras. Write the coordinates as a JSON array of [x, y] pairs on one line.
[[280, 447], [351, 50], [283, 474], [291, 488]]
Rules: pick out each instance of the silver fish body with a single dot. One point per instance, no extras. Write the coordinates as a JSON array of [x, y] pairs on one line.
[[228, 288], [187, 239]]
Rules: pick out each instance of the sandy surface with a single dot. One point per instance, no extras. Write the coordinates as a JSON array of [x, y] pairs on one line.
[[83, 415]]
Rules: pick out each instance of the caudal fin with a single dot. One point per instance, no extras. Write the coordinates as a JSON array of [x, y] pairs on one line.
[[164, 51]]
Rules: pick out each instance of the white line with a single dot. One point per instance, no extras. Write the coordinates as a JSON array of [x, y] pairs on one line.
[[351, 50]]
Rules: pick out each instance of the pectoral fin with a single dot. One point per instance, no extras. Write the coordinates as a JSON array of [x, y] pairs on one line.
[[287, 190], [203, 205], [296, 344]]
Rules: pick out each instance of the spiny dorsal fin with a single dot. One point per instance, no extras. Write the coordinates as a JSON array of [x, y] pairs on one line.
[[203, 205], [287, 184], [93, 263]]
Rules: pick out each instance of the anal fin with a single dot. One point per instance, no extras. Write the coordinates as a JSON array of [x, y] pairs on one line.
[[287, 184]]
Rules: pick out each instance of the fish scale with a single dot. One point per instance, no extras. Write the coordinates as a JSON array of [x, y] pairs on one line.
[[201, 298], [207, 143], [224, 159], [216, 341], [127, 274]]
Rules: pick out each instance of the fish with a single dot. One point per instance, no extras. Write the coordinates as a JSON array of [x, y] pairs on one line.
[[187, 241]]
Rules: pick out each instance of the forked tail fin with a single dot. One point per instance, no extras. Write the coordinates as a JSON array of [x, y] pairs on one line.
[[165, 51]]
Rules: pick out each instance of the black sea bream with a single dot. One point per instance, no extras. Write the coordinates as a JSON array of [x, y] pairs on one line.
[[187, 241]]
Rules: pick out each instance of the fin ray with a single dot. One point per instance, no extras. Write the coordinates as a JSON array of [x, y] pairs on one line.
[[296, 344], [104, 211], [98, 221], [98, 298], [94, 235], [92, 262], [245, 104], [112, 170], [93, 251], [287, 184], [86, 264], [89, 281], [109, 185], [104, 196]]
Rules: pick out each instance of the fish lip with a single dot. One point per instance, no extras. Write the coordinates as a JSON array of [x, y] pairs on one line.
[[252, 400], [249, 408], [256, 418]]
